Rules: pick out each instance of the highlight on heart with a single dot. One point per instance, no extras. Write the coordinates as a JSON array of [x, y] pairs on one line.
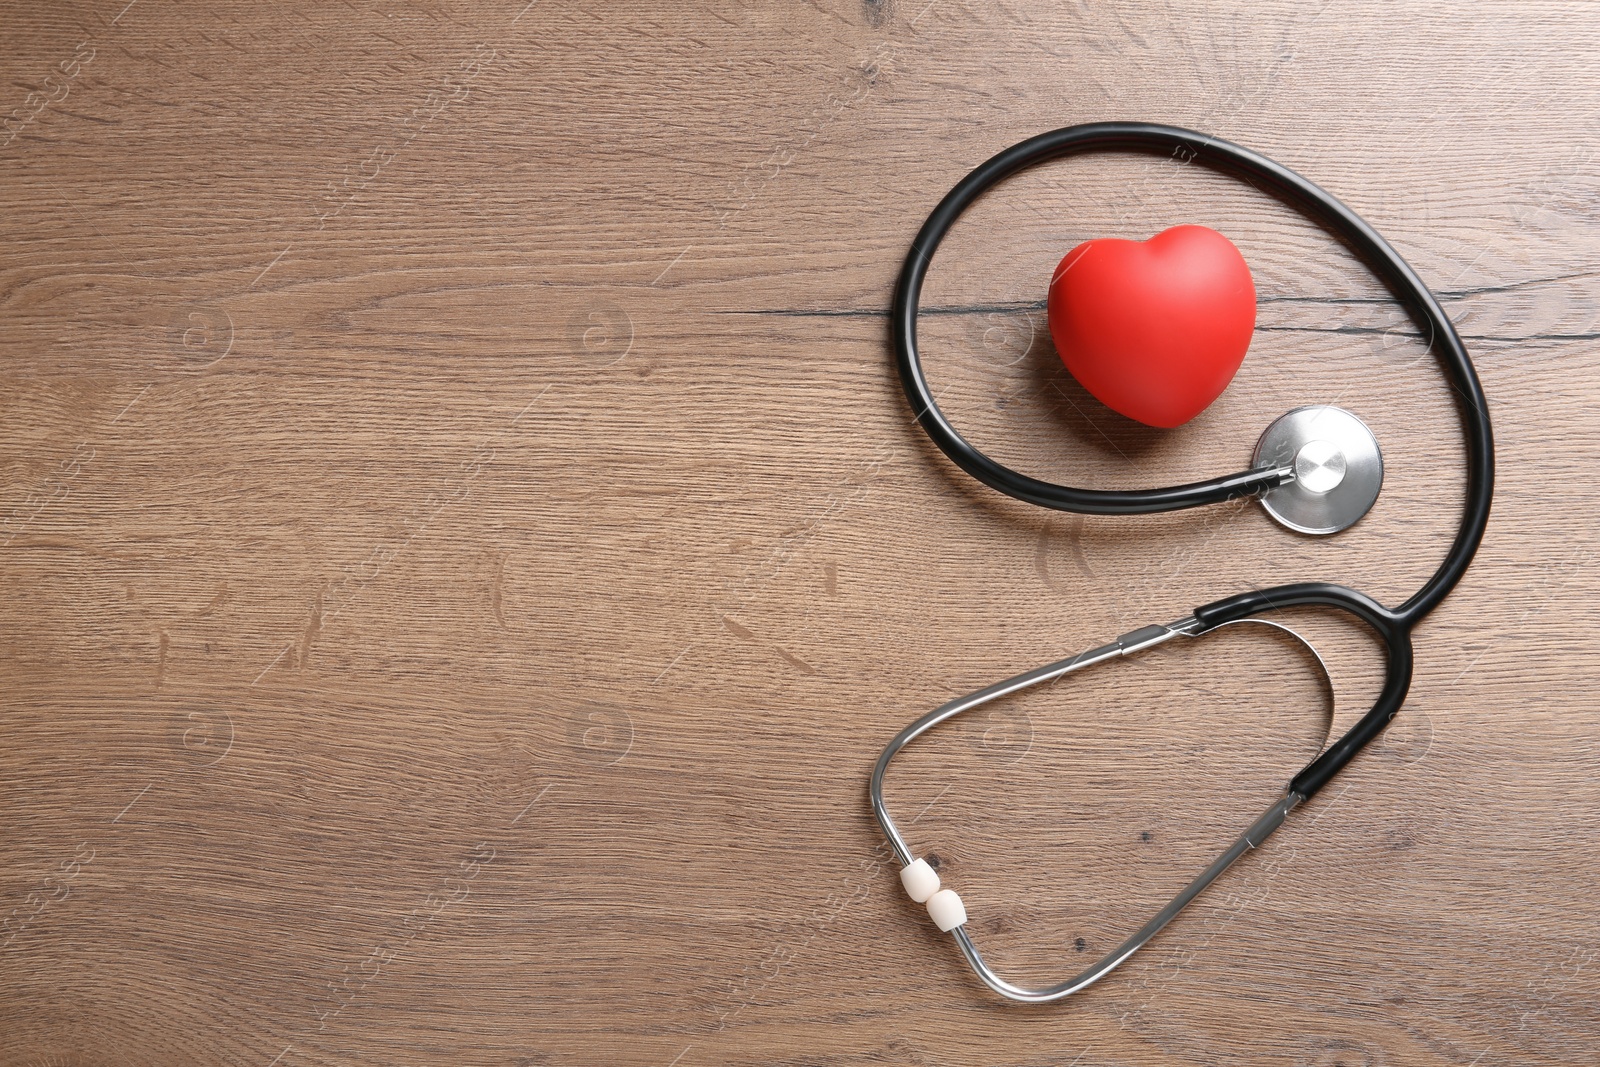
[[1154, 329]]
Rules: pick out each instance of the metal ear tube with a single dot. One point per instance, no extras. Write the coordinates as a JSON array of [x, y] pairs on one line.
[[945, 907]]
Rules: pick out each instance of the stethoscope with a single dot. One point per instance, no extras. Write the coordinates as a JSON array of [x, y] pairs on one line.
[[1316, 470]]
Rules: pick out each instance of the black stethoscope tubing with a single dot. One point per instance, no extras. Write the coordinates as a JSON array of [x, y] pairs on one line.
[[1393, 626]]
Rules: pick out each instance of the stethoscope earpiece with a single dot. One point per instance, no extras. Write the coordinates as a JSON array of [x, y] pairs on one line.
[[1336, 465]]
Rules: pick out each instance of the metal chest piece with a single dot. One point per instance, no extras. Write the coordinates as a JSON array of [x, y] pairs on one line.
[[1338, 469]]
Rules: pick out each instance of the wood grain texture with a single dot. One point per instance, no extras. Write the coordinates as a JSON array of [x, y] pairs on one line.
[[463, 543]]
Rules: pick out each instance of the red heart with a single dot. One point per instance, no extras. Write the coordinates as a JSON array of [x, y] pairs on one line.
[[1154, 329]]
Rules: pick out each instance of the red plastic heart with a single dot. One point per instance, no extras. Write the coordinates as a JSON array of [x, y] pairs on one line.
[[1154, 329]]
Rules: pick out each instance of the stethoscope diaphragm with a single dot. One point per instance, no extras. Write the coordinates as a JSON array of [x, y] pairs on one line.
[[1338, 469]]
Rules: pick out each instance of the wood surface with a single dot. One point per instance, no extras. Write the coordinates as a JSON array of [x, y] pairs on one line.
[[464, 544]]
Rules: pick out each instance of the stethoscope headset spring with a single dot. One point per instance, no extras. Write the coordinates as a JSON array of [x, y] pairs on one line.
[[1392, 627]]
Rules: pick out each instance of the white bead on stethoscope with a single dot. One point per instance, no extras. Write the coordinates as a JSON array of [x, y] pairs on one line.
[[921, 880], [946, 910]]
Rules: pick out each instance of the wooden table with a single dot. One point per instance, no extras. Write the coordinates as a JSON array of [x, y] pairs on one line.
[[464, 544]]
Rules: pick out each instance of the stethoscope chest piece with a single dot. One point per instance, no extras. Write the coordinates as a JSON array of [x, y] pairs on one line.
[[1338, 469]]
